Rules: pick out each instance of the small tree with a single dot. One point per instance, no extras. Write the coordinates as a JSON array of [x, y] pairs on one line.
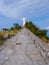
[[17, 26], [5, 29]]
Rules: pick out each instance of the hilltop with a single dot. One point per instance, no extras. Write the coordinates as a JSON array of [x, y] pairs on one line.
[[8, 33]]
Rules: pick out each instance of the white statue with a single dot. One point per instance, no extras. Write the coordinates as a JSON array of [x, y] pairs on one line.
[[24, 20]]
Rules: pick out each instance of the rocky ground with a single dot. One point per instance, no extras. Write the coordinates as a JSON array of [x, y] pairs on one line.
[[21, 50]]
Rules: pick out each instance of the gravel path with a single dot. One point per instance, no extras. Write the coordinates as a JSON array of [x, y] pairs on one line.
[[20, 50]]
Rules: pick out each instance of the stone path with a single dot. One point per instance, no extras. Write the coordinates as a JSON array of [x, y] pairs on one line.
[[20, 50]]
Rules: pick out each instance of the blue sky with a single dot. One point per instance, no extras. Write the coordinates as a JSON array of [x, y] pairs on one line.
[[12, 11]]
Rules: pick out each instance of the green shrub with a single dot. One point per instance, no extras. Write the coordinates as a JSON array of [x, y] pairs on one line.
[[36, 30], [1, 39]]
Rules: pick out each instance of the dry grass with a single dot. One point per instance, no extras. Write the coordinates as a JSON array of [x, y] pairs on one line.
[[3, 33]]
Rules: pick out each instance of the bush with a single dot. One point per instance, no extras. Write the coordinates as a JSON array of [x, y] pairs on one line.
[[36, 30], [1, 39], [17, 26], [31, 27]]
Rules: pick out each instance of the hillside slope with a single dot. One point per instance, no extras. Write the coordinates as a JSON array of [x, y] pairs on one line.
[[21, 50]]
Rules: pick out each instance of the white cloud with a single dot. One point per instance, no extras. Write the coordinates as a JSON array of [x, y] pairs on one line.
[[16, 8], [47, 28]]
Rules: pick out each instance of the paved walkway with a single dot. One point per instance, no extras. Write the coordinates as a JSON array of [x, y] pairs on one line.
[[20, 50]]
